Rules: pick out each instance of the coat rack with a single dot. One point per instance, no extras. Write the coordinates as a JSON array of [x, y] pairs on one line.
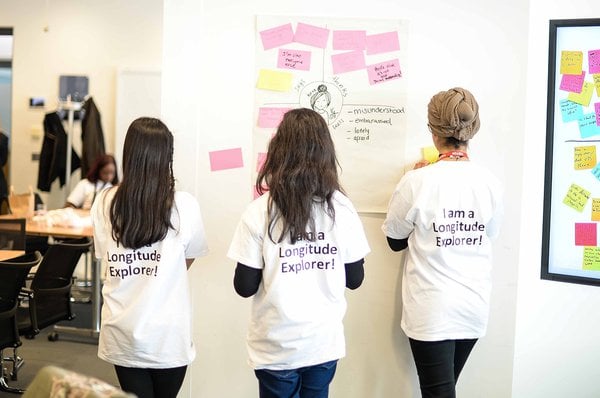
[[70, 107]]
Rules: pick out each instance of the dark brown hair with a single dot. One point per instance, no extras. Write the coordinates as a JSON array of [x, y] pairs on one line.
[[93, 174], [455, 143], [300, 170], [140, 211]]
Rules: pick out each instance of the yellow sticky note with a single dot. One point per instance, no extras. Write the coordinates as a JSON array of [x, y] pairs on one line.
[[576, 197], [430, 154], [571, 62], [595, 209], [597, 83], [585, 96], [584, 157], [274, 80], [591, 258]]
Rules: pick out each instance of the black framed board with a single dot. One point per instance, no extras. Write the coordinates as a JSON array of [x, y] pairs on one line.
[[571, 244]]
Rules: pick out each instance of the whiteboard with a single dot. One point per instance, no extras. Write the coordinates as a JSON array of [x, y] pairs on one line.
[[355, 67], [571, 249]]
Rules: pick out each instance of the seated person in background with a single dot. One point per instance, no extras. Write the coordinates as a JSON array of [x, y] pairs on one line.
[[102, 174]]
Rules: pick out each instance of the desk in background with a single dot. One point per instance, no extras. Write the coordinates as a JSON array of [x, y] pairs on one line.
[[10, 254], [40, 228]]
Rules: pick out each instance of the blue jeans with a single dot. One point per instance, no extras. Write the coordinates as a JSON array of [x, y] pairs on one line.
[[439, 364], [308, 382]]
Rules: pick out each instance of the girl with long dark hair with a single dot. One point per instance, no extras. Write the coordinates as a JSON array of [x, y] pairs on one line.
[[297, 248], [147, 235]]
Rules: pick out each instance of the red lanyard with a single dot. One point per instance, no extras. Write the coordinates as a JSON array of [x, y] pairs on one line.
[[456, 155]]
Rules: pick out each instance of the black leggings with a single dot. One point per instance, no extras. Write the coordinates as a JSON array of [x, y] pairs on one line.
[[151, 383], [439, 364]]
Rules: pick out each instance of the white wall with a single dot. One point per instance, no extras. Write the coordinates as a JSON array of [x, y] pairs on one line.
[[208, 83], [86, 37], [556, 344]]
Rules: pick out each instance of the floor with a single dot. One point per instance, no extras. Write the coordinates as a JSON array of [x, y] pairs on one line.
[[69, 352]]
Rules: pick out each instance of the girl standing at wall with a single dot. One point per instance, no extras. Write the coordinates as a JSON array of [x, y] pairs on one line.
[[147, 235], [446, 214], [297, 248]]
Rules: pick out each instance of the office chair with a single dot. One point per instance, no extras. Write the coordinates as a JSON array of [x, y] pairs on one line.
[[49, 295], [13, 273], [12, 234]]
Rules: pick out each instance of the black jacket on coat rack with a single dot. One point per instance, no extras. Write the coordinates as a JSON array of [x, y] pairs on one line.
[[92, 137], [3, 160], [53, 157]]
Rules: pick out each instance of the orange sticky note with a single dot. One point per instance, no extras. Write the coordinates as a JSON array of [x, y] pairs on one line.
[[595, 209], [584, 157], [571, 62]]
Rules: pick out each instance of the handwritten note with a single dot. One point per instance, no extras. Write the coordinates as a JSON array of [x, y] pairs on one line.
[[430, 154], [594, 61], [584, 157], [348, 62], [595, 209], [261, 157], [349, 39], [274, 80], [270, 117], [587, 126], [293, 59], [570, 111], [572, 83], [591, 258], [576, 197], [571, 62], [597, 83], [585, 96], [586, 234], [384, 71], [597, 109], [382, 43], [311, 35], [596, 171], [226, 159], [277, 36]]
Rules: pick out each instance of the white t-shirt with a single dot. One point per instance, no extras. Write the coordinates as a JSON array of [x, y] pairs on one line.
[[82, 196], [146, 315], [449, 211], [297, 312]]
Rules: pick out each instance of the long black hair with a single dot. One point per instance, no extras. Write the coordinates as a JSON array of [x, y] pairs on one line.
[[140, 212], [300, 170]]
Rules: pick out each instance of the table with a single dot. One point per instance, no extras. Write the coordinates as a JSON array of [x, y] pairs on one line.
[[9, 254], [39, 228]]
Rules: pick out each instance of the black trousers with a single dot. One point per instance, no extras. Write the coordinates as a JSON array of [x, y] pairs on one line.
[[151, 383], [439, 364]]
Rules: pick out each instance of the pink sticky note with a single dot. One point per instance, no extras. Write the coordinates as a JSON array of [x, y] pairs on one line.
[[311, 35], [349, 39], [585, 234], [594, 61], [348, 62], [293, 59], [277, 36], [226, 159], [572, 83], [384, 71], [597, 108], [270, 117], [261, 157], [382, 43]]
